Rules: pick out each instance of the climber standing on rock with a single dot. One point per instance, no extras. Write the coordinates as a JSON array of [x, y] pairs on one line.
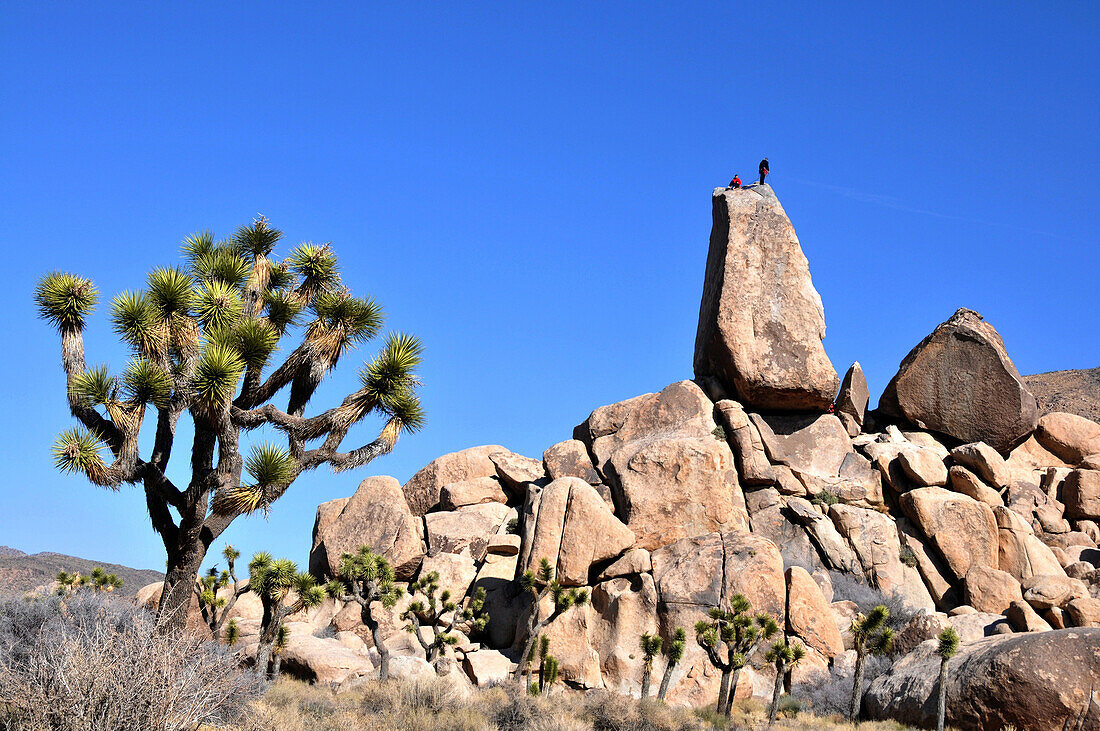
[[736, 182], [764, 170]]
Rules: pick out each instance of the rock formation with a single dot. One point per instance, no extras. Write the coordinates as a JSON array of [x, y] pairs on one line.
[[761, 322], [960, 381], [956, 511]]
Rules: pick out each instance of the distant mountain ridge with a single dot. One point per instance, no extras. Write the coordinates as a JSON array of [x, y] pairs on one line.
[[1073, 391], [21, 572]]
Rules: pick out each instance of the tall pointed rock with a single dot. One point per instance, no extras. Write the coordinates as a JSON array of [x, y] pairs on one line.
[[761, 322]]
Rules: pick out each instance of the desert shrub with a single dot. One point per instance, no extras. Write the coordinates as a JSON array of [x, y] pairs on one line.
[[825, 498], [607, 711], [88, 661], [833, 695], [908, 556], [719, 433]]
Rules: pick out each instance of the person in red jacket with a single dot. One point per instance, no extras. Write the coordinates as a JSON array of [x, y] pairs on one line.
[[764, 170], [736, 182]]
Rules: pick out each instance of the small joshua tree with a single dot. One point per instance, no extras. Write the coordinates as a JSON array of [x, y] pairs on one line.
[[232, 633], [68, 583], [650, 646], [949, 645], [202, 336], [273, 581], [440, 615], [281, 639], [729, 639], [103, 581], [540, 585], [98, 581], [674, 652], [548, 669], [216, 608], [870, 636], [363, 578], [784, 656]]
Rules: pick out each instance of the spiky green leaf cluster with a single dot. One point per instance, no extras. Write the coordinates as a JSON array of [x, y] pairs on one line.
[[145, 382], [650, 645], [871, 633], [253, 340], [218, 305], [372, 570], [257, 239], [135, 320], [390, 379], [216, 376], [674, 650], [316, 265], [95, 386], [232, 633], [784, 654], [65, 300], [77, 451], [948, 643], [170, 292]]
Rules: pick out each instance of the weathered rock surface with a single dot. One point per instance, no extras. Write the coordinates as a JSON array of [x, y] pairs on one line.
[[471, 492], [422, 490], [467, 528], [984, 461], [378, 516], [761, 322], [748, 448], [808, 614], [569, 524], [874, 538], [963, 530], [1038, 681], [487, 666], [515, 471], [570, 459], [851, 404], [962, 480], [327, 512], [990, 590], [1069, 436], [1020, 552], [960, 381], [1081, 494], [320, 660]]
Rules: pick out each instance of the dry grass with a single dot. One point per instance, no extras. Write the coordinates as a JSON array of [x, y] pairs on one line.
[[438, 705]]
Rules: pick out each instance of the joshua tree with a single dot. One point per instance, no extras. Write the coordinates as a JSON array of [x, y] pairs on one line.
[[99, 580], [214, 608], [548, 668], [281, 638], [273, 581], [674, 652], [232, 633], [739, 633], [650, 646], [870, 635], [431, 610], [364, 578], [68, 583], [540, 585], [103, 581], [949, 645], [784, 656], [202, 335]]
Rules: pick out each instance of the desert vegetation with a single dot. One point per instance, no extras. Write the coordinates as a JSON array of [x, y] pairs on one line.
[[201, 337]]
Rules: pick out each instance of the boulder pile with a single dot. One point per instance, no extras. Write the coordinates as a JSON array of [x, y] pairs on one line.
[[954, 503]]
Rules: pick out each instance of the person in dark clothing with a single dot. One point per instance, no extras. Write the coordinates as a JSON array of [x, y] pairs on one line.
[[763, 170], [736, 182]]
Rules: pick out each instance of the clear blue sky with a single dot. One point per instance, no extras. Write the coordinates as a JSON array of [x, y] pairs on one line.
[[527, 187]]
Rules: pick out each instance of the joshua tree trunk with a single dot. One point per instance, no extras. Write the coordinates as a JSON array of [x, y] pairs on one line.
[[723, 692], [379, 642], [647, 674], [276, 663], [777, 689], [666, 680], [732, 692], [857, 688], [941, 707]]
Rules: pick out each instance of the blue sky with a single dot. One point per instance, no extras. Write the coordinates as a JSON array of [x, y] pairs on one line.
[[527, 188]]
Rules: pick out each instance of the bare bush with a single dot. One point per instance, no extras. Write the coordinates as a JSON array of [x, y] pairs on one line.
[[91, 662]]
